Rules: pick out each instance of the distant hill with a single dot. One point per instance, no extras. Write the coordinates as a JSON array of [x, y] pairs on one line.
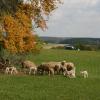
[[53, 39], [65, 40], [90, 41]]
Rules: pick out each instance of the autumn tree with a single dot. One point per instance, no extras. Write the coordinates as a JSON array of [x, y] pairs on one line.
[[18, 25]]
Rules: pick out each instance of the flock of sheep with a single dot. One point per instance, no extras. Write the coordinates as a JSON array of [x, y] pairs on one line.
[[51, 68]]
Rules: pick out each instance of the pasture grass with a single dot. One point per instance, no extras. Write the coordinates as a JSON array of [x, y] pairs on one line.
[[56, 87]]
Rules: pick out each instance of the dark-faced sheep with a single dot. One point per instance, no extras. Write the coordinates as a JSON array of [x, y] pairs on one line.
[[68, 69]]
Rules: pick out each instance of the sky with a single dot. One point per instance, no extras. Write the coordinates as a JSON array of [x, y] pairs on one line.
[[74, 18]]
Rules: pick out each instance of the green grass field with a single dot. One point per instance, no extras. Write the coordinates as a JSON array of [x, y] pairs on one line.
[[56, 87]]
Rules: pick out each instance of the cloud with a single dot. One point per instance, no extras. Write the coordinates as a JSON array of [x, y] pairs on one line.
[[80, 2], [75, 18]]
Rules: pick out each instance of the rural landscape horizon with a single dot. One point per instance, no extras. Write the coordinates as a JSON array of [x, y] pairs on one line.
[[49, 49]]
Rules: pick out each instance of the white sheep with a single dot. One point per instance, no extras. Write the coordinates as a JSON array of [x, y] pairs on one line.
[[14, 70], [70, 74], [7, 71], [32, 69], [84, 73], [11, 70]]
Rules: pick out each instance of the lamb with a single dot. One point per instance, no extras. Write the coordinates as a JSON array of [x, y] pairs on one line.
[[71, 74], [33, 69], [30, 66], [11, 70], [14, 71], [84, 73]]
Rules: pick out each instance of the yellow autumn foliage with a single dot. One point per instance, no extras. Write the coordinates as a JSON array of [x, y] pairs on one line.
[[19, 37]]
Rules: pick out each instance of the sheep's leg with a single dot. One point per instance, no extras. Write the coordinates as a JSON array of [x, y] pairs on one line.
[[34, 72], [30, 71], [6, 71], [52, 71], [49, 73], [87, 75], [44, 72], [11, 72], [65, 73], [16, 72], [25, 71], [58, 71], [84, 76], [73, 74]]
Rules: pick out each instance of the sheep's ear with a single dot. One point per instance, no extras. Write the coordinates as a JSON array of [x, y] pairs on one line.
[[64, 61]]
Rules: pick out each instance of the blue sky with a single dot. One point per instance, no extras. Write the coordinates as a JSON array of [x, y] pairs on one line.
[[75, 18]]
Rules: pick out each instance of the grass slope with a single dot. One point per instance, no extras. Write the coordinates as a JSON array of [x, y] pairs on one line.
[[56, 87]]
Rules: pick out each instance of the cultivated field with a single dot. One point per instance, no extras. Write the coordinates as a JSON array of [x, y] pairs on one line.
[[56, 87]]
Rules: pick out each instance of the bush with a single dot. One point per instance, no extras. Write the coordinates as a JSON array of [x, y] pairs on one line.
[[87, 47], [14, 58]]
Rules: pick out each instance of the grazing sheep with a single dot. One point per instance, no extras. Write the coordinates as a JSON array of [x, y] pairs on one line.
[[49, 67], [30, 66], [84, 73], [11, 70], [68, 69], [41, 68], [14, 71], [71, 74], [56, 66], [44, 67], [33, 69]]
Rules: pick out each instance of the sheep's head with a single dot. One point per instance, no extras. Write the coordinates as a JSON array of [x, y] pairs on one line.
[[81, 72], [69, 68], [63, 62]]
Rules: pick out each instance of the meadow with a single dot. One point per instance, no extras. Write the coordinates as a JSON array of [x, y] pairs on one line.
[[58, 87]]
